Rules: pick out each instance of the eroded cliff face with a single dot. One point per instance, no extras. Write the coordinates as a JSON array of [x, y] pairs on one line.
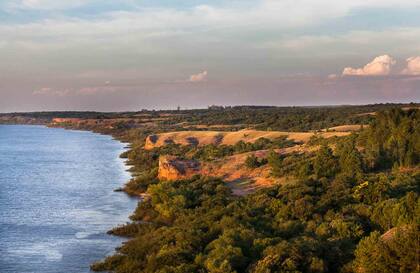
[[66, 120], [172, 168], [150, 142]]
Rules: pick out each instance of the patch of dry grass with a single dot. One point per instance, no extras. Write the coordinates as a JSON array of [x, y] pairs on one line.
[[229, 138], [346, 128]]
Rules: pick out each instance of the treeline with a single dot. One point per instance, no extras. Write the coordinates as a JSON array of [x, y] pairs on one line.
[[261, 117], [285, 118]]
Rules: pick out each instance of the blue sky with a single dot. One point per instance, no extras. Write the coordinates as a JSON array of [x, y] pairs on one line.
[[132, 54]]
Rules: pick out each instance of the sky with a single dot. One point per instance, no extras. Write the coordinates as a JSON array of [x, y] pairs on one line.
[[119, 55]]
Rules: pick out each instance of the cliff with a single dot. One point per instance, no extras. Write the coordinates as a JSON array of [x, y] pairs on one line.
[[66, 120], [172, 168]]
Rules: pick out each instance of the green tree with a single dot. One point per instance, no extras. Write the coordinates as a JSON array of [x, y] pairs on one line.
[[396, 251], [325, 164], [349, 158], [252, 162], [275, 162], [393, 138], [304, 170]]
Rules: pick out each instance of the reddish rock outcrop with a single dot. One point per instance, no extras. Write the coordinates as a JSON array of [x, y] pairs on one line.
[[172, 168]]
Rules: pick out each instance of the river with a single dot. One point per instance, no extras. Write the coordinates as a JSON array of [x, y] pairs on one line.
[[57, 199]]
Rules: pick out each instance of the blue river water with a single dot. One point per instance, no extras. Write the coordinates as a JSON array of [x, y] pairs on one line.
[[57, 199]]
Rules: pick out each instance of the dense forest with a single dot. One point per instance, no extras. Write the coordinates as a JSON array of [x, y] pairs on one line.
[[354, 208]]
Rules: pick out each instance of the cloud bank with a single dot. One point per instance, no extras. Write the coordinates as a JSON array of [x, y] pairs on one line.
[[149, 49]]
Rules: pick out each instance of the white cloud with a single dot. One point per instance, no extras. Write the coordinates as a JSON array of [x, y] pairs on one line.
[[395, 40], [84, 91], [47, 91], [48, 4], [380, 66], [413, 66], [200, 77], [290, 12]]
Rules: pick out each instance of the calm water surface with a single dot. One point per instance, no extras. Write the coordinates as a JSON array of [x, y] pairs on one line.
[[57, 199]]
